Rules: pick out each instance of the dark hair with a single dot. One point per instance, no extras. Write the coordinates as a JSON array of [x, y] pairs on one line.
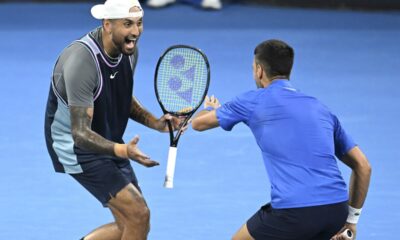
[[275, 56]]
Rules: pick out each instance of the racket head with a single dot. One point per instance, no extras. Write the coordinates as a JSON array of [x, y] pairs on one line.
[[181, 80]]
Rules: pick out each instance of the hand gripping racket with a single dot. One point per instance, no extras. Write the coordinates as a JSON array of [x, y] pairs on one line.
[[181, 83], [347, 234]]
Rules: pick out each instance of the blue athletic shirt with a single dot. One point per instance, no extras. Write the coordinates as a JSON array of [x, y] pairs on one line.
[[299, 139]]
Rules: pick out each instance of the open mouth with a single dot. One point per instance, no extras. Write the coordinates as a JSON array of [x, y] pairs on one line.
[[130, 41]]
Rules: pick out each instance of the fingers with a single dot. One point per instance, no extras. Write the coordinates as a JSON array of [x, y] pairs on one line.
[[184, 128], [176, 122], [206, 101], [135, 152], [135, 140], [347, 234], [343, 235], [162, 125], [185, 110], [138, 156], [212, 99], [166, 117], [211, 102], [337, 235], [147, 162]]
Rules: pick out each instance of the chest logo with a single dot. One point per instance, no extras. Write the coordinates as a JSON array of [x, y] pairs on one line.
[[112, 76]]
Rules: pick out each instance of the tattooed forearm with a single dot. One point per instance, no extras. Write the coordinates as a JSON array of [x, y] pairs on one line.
[[141, 115], [84, 137]]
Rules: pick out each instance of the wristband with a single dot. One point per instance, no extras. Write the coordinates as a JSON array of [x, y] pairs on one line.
[[121, 150], [354, 215], [209, 108]]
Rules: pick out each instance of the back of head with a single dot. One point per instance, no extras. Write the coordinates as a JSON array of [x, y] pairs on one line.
[[276, 57]]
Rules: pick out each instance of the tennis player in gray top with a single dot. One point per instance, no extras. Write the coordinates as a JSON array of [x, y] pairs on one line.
[[89, 104]]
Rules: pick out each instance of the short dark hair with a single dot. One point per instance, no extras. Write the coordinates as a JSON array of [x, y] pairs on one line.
[[275, 56]]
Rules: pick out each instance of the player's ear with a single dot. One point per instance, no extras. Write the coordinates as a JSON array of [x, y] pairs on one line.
[[259, 71], [107, 23]]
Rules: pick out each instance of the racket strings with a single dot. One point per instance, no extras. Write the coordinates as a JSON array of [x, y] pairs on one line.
[[182, 80]]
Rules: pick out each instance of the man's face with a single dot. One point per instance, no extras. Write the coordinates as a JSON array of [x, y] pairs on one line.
[[126, 32]]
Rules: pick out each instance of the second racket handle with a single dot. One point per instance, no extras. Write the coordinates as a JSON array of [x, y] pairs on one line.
[[169, 176], [347, 234]]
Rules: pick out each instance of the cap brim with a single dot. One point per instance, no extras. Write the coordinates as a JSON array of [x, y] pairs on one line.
[[98, 11]]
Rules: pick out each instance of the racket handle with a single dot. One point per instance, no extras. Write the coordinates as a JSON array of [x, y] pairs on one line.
[[169, 177], [347, 234]]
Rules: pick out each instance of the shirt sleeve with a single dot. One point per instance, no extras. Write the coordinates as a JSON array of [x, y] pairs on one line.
[[238, 110], [81, 78], [343, 142]]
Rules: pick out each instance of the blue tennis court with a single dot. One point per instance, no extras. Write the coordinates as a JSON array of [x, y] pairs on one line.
[[348, 59]]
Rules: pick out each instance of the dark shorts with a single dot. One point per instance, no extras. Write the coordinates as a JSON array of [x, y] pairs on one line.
[[307, 223], [105, 178]]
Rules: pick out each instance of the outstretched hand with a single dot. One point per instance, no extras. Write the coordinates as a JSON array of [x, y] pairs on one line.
[[341, 236], [211, 102], [137, 155]]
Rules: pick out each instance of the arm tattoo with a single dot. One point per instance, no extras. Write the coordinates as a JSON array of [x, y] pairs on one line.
[[84, 137], [141, 115]]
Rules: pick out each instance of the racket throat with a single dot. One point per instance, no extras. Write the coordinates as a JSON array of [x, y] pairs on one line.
[[171, 134]]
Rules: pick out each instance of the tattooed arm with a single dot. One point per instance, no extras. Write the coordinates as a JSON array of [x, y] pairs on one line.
[[141, 115], [80, 77], [86, 138]]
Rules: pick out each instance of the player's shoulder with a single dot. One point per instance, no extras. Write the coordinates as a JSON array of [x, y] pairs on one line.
[[251, 94], [249, 97], [77, 54], [77, 51], [80, 49], [321, 107]]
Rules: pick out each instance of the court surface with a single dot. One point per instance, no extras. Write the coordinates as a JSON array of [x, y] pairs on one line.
[[349, 60]]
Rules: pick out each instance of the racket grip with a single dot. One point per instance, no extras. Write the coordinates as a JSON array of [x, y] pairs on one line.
[[347, 234], [169, 176]]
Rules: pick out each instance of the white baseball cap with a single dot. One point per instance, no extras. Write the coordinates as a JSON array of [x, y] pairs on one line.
[[116, 9]]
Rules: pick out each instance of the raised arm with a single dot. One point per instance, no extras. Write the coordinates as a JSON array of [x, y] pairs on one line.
[[204, 120], [207, 118]]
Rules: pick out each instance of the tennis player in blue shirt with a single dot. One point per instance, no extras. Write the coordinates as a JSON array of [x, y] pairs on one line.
[[300, 140]]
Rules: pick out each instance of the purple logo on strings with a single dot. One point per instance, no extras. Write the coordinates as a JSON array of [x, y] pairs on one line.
[[175, 83], [178, 61]]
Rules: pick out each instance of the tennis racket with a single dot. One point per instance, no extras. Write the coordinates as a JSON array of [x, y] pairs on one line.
[[181, 83]]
